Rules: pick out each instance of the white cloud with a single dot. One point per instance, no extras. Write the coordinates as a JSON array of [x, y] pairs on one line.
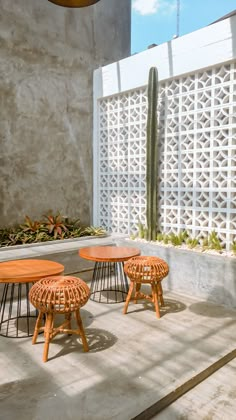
[[150, 7], [146, 7]]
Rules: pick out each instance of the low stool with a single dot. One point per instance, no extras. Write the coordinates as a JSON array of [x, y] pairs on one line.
[[146, 270], [59, 295]]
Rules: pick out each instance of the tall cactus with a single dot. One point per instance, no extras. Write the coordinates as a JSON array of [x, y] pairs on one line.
[[152, 156]]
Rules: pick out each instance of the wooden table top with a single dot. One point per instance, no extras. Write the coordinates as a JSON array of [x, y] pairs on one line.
[[27, 271], [108, 253]]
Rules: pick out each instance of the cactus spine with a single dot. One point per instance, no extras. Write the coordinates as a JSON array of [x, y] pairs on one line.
[[152, 156]]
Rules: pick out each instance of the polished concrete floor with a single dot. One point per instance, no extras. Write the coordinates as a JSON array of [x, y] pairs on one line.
[[134, 360], [215, 398]]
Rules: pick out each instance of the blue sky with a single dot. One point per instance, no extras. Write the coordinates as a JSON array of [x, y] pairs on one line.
[[154, 21]]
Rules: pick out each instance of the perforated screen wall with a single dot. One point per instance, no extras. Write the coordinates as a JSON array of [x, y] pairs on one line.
[[197, 155]]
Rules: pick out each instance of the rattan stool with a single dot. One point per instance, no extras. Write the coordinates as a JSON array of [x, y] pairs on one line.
[[150, 270], [59, 295]]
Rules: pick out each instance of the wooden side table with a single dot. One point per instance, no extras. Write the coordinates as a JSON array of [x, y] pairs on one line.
[[18, 276], [109, 283]]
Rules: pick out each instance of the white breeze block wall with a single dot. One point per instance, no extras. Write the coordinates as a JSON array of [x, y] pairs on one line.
[[197, 139]]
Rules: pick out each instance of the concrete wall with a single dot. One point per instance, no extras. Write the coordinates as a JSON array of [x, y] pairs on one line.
[[47, 57], [202, 275]]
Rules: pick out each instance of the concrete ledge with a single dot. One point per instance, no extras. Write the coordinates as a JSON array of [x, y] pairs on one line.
[[64, 252], [206, 276], [41, 250]]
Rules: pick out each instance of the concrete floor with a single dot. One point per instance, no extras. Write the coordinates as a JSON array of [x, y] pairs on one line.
[[134, 360], [215, 398]]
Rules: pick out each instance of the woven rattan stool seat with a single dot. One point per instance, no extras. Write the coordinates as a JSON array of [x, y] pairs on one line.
[[59, 295], [146, 269]]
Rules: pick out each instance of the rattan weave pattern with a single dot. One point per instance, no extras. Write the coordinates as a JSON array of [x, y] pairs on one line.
[[146, 269], [59, 294]]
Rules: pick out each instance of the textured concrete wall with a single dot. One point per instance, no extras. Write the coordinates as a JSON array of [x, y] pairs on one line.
[[202, 275], [47, 58]]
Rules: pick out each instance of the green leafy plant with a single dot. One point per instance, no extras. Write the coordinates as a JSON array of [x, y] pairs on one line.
[[55, 225], [192, 242], [215, 241], [146, 234], [233, 247], [212, 242], [4, 236], [71, 224], [160, 237], [141, 230], [43, 237], [94, 231], [205, 242], [183, 236], [30, 225], [175, 240], [178, 239], [166, 239], [163, 237]]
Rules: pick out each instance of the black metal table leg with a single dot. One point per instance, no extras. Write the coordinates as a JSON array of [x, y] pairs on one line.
[[109, 283], [16, 311]]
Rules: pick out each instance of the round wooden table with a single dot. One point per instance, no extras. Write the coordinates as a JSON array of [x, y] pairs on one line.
[[109, 283], [17, 276]]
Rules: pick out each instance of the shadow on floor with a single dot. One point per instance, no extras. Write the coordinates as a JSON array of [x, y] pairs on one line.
[[210, 310], [171, 306], [98, 340], [22, 324]]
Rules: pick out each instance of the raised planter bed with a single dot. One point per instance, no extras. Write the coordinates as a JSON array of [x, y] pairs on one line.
[[64, 252], [206, 276], [203, 275]]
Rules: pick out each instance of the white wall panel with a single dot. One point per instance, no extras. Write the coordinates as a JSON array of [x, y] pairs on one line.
[[197, 145]]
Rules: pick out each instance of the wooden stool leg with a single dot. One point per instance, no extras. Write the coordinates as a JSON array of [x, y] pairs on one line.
[[155, 298], [160, 293], [37, 327], [128, 297], [81, 328], [68, 319], [138, 287], [47, 331]]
